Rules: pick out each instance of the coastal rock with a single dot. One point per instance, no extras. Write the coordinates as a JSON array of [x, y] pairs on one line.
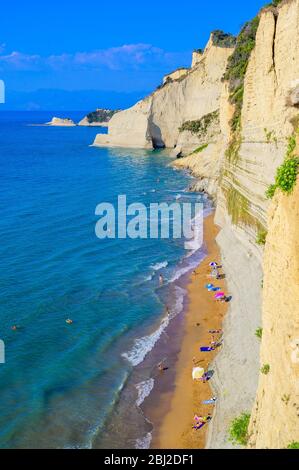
[[63, 122]]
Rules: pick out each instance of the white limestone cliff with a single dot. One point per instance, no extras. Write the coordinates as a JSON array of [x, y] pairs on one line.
[[155, 121]]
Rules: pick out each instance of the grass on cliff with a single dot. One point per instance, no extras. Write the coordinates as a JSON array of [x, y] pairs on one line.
[[265, 369], [238, 61], [259, 333], [238, 431], [293, 445], [235, 75], [201, 148], [200, 126], [286, 174], [261, 237]]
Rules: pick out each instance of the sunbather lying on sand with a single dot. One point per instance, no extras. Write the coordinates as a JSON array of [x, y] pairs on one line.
[[207, 349], [201, 421]]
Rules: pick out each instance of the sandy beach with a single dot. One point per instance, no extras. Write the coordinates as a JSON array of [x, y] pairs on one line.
[[177, 407]]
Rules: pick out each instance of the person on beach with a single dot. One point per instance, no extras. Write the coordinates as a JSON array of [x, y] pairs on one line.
[[202, 419], [162, 367], [206, 377]]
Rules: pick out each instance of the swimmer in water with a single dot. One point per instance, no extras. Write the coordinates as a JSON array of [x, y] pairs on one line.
[[69, 321], [161, 280]]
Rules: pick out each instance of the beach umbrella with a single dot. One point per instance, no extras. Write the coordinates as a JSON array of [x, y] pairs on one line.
[[209, 286], [213, 264], [197, 373], [219, 295]]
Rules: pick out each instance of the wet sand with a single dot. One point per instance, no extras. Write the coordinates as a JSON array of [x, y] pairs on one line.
[[173, 413]]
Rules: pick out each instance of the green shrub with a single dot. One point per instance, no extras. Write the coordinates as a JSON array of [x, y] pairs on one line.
[[286, 176], [265, 369], [261, 237], [238, 61], [238, 430], [222, 39], [259, 333], [293, 445], [200, 126], [291, 145], [271, 191]]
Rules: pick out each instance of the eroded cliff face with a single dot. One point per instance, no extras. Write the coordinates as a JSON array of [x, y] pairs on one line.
[[237, 174], [155, 121], [236, 165], [275, 417], [267, 119]]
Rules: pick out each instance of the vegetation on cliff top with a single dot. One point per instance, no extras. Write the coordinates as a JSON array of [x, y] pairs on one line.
[[237, 66], [200, 126], [222, 39], [275, 3], [238, 431], [100, 115], [235, 75]]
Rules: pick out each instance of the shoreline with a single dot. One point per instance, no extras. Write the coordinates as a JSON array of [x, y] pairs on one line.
[[181, 401]]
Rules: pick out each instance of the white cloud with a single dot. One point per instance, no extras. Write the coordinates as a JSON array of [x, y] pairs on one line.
[[129, 56]]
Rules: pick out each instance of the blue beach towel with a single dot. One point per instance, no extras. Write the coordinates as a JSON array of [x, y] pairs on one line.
[[209, 402], [206, 349]]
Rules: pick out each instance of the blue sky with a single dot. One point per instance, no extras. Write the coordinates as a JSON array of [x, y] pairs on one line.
[[117, 47]]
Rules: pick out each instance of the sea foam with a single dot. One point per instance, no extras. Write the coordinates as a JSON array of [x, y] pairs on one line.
[[143, 346]]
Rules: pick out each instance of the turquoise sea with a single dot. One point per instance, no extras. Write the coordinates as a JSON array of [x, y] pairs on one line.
[[62, 384]]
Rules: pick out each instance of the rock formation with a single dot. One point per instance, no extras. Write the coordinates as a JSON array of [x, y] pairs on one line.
[[275, 417], [61, 122], [155, 121]]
